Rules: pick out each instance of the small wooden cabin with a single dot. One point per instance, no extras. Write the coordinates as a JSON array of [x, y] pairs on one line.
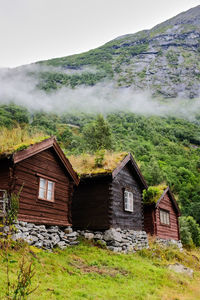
[[161, 218], [110, 195], [46, 180]]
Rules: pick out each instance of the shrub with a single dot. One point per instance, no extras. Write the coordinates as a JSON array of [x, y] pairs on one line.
[[189, 231], [153, 194]]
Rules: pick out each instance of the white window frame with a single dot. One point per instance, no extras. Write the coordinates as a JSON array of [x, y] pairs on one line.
[[128, 201], [164, 217], [46, 189]]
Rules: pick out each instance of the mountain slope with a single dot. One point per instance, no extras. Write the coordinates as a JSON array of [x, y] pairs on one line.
[[163, 60]]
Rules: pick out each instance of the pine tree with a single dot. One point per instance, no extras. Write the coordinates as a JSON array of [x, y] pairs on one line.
[[97, 135]]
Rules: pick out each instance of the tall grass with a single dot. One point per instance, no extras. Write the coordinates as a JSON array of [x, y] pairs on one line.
[[15, 139]]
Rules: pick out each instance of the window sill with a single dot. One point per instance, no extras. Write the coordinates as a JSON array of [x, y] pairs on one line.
[[166, 225]]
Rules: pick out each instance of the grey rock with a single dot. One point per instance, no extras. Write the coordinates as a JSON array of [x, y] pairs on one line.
[[31, 239], [53, 229], [98, 236], [62, 245], [30, 225], [112, 235], [47, 244], [72, 235], [41, 228], [68, 230], [22, 223], [74, 243], [24, 229], [89, 236], [17, 236], [55, 238], [178, 268], [61, 233], [39, 244]]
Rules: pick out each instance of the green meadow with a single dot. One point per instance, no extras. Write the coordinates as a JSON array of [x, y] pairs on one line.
[[89, 272]]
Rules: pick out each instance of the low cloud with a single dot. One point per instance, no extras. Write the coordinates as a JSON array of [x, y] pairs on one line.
[[20, 86]]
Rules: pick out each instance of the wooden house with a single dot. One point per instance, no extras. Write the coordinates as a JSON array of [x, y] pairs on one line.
[[108, 196], [161, 218], [46, 180]]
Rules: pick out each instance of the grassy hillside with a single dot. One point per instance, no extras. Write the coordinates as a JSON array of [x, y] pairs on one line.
[[87, 272]]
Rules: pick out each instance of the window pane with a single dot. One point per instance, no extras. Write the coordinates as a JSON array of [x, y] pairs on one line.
[[41, 193], [49, 195], [167, 219], [131, 204], [50, 186], [125, 200], [42, 188], [128, 201], [164, 217], [42, 183]]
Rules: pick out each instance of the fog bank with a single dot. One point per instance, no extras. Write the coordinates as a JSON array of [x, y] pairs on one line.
[[20, 86]]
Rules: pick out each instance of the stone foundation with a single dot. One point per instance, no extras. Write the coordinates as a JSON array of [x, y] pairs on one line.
[[45, 237], [170, 242], [118, 240], [48, 237]]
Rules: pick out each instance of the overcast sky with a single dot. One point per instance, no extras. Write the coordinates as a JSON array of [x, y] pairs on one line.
[[32, 30]]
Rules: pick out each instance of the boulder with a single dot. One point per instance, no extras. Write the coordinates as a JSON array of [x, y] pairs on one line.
[[89, 235], [178, 268], [112, 235]]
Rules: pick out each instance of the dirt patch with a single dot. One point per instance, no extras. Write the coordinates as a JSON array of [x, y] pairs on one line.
[[85, 268]]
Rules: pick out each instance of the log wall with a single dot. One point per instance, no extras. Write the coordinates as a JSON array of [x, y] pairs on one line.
[[4, 175], [32, 209], [149, 219], [90, 204], [119, 217], [165, 231]]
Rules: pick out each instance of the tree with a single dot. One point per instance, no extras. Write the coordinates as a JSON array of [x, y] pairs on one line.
[[97, 135]]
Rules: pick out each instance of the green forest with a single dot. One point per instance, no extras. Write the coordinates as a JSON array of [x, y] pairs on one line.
[[167, 149]]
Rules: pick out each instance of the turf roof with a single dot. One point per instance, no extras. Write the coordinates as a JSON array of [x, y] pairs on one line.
[[14, 140], [85, 164], [153, 193]]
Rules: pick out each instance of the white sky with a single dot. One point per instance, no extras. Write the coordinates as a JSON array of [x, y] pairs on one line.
[[32, 30]]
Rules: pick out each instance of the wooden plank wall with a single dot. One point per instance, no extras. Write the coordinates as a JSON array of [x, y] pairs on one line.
[[119, 217], [40, 211], [149, 211], [90, 205], [164, 231], [4, 175]]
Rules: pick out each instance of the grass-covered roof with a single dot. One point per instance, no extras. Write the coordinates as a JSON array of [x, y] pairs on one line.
[[100, 163], [153, 193], [16, 139]]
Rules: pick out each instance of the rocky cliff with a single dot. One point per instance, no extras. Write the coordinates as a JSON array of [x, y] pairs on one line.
[[163, 60]]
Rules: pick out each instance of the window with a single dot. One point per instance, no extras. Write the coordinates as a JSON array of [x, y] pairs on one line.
[[46, 189], [164, 217], [128, 201]]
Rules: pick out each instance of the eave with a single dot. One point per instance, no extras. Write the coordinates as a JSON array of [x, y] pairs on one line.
[[46, 144]]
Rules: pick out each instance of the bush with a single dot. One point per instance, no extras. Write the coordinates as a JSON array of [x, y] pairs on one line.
[[153, 194], [189, 231]]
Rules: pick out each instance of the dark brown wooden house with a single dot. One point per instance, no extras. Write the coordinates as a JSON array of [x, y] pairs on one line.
[[161, 218], [46, 179], [110, 195]]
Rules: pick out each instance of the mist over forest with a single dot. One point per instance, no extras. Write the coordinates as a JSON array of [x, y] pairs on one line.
[[21, 86]]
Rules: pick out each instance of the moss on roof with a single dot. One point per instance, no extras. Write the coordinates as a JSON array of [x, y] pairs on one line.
[[16, 139], [87, 164], [153, 193]]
